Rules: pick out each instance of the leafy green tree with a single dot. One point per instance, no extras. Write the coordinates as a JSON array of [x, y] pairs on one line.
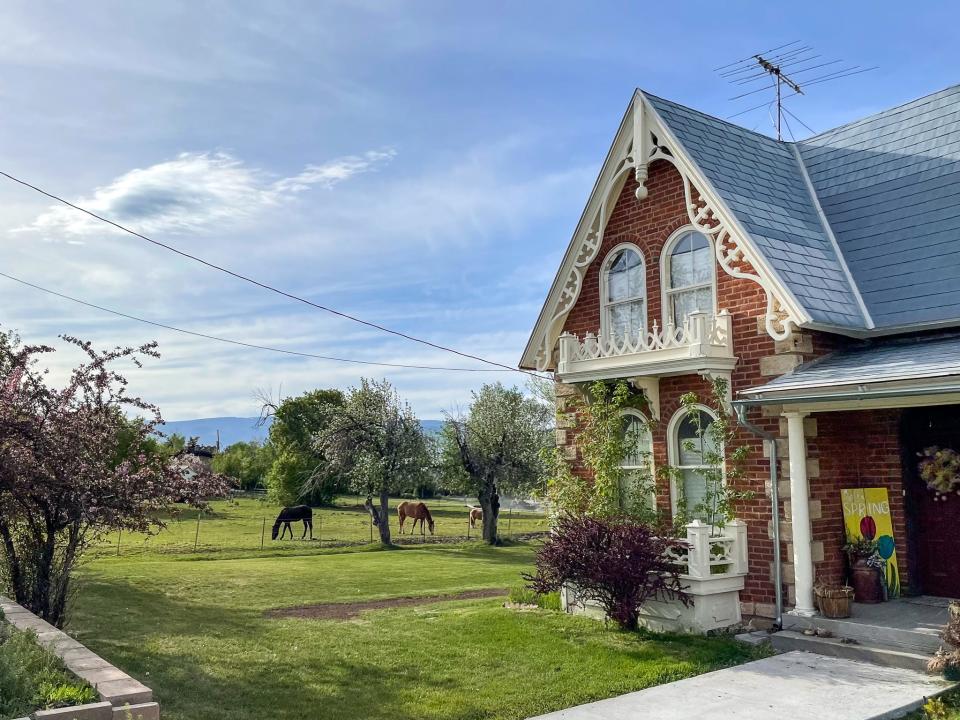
[[303, 473], [286, 477], [497, 447], [377, 441], [246, 462]]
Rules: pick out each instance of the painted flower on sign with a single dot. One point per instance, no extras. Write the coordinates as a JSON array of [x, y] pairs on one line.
[[868, 528]]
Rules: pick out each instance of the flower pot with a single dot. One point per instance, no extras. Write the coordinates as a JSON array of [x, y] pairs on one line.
[[834, 602], [867, 587]]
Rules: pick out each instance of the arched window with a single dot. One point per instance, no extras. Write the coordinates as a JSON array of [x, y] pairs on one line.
[[624, 288], [690, 443], [637, 463], [688, 276]]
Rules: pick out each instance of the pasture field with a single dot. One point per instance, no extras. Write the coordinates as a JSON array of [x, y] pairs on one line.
[[235, 526], [198, 629]]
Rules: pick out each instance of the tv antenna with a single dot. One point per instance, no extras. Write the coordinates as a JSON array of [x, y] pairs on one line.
[[784, 64]]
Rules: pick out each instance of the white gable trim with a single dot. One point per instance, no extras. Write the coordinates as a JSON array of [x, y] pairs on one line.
[[642, 138]]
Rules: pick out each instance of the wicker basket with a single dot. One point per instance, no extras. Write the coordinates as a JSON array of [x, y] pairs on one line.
[[834, 602]]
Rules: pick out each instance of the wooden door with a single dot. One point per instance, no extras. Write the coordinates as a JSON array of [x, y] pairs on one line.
[[936, 523]]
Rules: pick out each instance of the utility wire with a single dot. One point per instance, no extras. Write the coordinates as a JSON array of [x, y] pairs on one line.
[[242, 343], [252, 281]]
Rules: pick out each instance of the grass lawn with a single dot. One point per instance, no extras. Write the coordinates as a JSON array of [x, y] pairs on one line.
[[235, 527], [195, 631]]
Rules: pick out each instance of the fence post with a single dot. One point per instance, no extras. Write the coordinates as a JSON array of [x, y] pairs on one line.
[[468, 527], [196, 538], [510, 523], [320, 525], [119, 535], [263, 531], [371, 528]]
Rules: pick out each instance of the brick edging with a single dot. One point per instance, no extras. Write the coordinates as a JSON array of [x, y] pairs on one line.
[[119, 693]]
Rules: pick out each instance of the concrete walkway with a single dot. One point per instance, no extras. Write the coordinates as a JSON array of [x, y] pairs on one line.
[[792, 686]]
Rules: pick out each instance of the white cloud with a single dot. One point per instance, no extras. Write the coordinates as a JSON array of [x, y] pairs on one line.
[[195, 192]]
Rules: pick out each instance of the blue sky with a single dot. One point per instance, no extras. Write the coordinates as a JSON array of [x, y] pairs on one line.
[[420, 164]]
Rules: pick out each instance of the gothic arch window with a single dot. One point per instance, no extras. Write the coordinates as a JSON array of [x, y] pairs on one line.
[[690, 443], [637, 463], [689, 277], [623, 291]]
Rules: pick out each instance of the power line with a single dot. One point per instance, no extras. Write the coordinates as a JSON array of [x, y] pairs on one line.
[[251, 280], [241, 343]]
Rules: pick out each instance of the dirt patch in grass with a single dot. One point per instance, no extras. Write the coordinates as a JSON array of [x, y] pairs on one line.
[[348, 611]]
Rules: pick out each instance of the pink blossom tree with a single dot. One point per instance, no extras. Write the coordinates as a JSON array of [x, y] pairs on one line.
[[73, 467]]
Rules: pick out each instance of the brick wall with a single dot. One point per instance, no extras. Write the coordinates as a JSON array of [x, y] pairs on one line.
[[833, 439]]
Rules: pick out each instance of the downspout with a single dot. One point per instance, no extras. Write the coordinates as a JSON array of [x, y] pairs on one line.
[[740, 410]]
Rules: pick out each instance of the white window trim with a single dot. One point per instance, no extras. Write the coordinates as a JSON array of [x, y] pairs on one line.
[[665, 289], [652, 464], [673, 450], [604, 290]]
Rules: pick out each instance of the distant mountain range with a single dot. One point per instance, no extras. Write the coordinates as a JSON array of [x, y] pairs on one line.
[[241, 429]]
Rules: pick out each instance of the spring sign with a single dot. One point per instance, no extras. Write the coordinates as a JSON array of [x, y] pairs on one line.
[[866, 516]]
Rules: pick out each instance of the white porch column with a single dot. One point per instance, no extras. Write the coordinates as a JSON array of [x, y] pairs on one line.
[[800, 514]]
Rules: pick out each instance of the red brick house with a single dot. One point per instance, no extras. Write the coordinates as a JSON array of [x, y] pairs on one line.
[[822, 279]]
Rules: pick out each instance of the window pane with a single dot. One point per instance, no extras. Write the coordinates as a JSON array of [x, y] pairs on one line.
[[689, 301], [681, 269], [625, 279], [640, 443], [692, 445], [626, 318], [694, 489], [691, 261], [702, 265]]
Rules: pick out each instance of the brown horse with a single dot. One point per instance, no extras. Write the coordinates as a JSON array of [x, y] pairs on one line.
[[417, 511], [476, 515]]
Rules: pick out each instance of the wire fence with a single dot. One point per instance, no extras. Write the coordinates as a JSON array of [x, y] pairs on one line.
[[244, 525]]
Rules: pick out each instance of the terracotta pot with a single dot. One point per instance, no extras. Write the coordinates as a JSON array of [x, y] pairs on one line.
[[867, 587]]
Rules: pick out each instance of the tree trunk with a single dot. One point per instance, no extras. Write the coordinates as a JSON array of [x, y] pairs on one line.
[[381, 516], [490, 502]]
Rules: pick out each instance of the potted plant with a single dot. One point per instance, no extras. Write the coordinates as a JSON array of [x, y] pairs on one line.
[[865, 568], [834, 600]]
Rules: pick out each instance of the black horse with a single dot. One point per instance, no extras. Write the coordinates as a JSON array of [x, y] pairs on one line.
[[294, 514]]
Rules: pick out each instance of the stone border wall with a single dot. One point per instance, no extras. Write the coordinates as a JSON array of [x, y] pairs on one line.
[[121, 696]]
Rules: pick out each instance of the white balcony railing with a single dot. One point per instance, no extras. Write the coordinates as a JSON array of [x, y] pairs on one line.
[[703, 342]]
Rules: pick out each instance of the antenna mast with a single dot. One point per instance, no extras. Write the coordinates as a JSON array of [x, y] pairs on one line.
[[780, 79], [784, 64]]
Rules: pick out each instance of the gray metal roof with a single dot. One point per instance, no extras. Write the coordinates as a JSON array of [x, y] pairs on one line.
[[889, 189], [877, 361]]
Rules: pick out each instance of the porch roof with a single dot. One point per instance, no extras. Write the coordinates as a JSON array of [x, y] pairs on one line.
[[904, 364]]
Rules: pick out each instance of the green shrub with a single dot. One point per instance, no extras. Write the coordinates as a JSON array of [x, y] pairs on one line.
[[33, 678], [522, 595]]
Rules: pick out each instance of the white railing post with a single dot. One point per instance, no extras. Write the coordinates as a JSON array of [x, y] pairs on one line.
[[697, 337], [566, 351], [698, 537], [738, 529]]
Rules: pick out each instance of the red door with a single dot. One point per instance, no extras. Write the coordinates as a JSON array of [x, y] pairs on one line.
[[936, 523]]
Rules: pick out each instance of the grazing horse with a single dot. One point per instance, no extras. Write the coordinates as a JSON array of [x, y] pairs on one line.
[[293, 514], [476, 514], [417, 511]]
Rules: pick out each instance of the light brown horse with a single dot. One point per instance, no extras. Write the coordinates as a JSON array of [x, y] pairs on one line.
[[417, 511], [476, 515]]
